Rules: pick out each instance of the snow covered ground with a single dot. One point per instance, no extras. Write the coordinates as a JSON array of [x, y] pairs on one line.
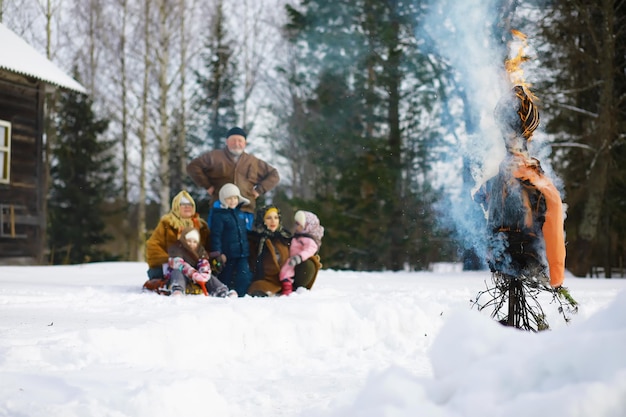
[[85, 341]]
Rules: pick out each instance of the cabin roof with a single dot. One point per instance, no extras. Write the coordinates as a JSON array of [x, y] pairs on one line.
[[19, 57]]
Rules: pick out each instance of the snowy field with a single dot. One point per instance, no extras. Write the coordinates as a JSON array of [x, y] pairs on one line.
[[85, 341]]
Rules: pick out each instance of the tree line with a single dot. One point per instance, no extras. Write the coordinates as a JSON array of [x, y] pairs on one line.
[[367, 118]]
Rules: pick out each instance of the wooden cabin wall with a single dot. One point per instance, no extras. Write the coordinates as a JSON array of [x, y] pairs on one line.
[[22, 104]]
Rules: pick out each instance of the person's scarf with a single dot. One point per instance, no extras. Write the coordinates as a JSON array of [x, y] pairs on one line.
[[266, 234], [179, 223]]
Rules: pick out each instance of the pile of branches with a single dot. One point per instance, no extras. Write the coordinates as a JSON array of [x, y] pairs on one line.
[[515, 301]]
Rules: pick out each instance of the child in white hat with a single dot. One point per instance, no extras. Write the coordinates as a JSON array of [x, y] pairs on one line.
[[229, 239]]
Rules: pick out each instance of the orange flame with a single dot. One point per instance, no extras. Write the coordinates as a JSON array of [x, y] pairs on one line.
[[513, 65]]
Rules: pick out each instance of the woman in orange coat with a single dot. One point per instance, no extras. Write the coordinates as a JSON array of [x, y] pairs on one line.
[[524, 208], [167, 232]]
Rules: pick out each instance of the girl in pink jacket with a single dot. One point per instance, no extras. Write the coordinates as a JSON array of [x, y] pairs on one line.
[[306, 242]]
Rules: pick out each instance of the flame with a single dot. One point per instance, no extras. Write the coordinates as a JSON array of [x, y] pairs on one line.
[[513, 65]]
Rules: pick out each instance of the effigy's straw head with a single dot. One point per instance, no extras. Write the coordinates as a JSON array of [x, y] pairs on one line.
[[516, 113]]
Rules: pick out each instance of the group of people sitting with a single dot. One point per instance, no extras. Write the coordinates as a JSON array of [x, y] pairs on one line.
[[228, 259], [240, 250]]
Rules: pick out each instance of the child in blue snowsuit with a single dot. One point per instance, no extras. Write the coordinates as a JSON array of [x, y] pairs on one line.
[[229, 240]]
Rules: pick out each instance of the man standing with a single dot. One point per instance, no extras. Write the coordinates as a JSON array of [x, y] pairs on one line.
[[232, 164]]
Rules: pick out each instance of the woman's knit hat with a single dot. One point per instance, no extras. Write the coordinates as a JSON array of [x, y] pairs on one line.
[[174, 218], [271, 209], [230, 190], [182, 197]]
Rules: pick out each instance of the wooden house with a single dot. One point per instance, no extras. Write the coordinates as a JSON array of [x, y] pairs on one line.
[[26, 76]]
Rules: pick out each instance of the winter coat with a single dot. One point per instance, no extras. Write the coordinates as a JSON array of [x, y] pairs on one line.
[[168, 231], [525, 220], [304, 244], [182, 249], [194, 261], [303, 247], [268, 252], [229, 233], [249, 173]]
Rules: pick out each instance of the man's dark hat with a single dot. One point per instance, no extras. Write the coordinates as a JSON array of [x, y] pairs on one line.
[[236, 131]]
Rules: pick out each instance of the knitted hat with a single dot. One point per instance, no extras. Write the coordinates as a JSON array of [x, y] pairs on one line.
[[237, 131], [182, 197], [230, 190], [310, 225], [300, 218], [193, 234], [270, 210]]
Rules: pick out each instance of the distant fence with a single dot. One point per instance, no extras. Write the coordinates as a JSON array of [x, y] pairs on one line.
[[613, 272], [441, 267]]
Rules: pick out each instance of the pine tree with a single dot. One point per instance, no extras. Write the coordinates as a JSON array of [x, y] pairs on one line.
[[83, 177], [583, 109], [346, 131], [215, 102]]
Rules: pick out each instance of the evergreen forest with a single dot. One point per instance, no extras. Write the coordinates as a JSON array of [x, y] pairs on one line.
[[377, 114]]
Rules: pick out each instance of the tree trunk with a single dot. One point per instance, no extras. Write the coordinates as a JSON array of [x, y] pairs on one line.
[[182, 116], [163, 61], [124, 99], [50, 108], [124, 134], [580, 260], [143, 133], [398, 219]]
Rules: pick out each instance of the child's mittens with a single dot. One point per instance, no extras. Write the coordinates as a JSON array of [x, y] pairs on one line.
[[177, 263], [218, 260], [219, 256], [295, 260], [203, 266], [199, 277]]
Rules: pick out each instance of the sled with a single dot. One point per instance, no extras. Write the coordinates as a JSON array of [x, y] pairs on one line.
[[160, 286]]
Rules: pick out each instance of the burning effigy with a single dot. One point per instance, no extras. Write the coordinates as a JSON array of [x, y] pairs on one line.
[[524, 215]]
